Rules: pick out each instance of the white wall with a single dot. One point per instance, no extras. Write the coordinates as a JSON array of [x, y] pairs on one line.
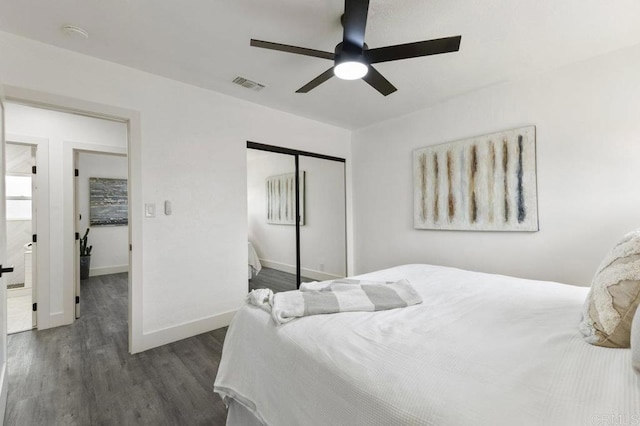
[[192, 151], [322, 238], [58, 129], [110, 253], [588, 166]]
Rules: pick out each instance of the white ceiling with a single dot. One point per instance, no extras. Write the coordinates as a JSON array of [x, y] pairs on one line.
[[206, 43]]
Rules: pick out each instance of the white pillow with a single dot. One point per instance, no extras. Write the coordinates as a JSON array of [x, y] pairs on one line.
[[614, 296], [635, 341]]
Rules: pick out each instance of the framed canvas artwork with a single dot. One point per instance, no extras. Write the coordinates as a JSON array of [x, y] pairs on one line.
[[108, 202], [485, 183]]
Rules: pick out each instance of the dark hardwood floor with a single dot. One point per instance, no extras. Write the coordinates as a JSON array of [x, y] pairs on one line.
[[82, 374], [275, 280]]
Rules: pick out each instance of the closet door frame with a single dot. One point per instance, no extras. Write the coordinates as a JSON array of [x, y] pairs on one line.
[[296, 154]]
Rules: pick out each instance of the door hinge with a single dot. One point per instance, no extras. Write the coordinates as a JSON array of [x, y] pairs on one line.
[[77, 299], [130, 247], [34, 307], [34, 238], [77, 235], [77, 173], [33, 169]]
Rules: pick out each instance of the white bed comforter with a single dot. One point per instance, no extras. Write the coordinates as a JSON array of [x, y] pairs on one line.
[[481, 349]]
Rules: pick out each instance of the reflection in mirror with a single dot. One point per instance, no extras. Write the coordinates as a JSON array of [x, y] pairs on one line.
[[271, 226], [323, 235], [281, 255]]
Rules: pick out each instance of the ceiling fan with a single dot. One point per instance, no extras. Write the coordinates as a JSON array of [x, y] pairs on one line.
[[352, 58]]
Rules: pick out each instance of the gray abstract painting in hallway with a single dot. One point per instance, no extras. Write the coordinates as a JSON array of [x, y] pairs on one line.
[[485, 183], [108, 201]]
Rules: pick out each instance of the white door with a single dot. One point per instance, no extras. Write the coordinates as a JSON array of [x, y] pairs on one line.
[[3, 258], [34, 244], [76, 212]]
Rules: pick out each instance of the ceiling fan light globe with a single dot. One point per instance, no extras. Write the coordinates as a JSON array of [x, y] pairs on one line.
[[350, 70]]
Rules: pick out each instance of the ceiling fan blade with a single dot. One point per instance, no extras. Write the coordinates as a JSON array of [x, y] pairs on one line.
[[316, 81], [378, 82], [413, 50], [292, 49], [354, 21]]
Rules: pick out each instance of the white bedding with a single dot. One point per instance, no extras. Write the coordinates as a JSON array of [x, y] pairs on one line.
[[480, 350], [254, 263]]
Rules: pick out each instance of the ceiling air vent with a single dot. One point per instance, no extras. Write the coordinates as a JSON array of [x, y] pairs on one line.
[[248, 84]]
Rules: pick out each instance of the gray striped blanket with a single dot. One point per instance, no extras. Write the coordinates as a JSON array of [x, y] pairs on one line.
[[329, 297]]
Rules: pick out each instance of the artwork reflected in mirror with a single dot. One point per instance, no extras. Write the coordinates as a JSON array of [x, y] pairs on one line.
[[281, 199]]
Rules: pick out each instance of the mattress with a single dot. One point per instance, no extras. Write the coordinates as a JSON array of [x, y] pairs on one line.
[[481, 349]]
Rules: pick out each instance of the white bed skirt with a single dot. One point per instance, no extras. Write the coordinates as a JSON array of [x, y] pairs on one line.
[[254, 262], [239, 415]]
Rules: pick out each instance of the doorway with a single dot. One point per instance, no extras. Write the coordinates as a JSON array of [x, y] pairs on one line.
[[101, 213], [58, 249], [296, 217], [21, 202], [58, 135]]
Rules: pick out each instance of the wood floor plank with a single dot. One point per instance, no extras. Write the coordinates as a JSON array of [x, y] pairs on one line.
[[275, 280], [83, 374]]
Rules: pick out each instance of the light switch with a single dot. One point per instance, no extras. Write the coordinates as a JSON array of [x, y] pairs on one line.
[[167, 207], [150, 210]]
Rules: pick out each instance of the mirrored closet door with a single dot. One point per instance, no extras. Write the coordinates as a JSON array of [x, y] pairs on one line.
[[296, 217], [323, 225], [271, 196]]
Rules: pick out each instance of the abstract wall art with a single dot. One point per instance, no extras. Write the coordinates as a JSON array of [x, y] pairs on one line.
[[281, 199], [108, 202], [485, 183]]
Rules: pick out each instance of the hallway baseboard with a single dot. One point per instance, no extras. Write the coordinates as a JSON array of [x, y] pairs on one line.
[[108, 270]]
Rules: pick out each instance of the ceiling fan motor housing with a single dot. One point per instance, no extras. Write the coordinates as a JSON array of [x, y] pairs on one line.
[[345, 52], [349, 61]]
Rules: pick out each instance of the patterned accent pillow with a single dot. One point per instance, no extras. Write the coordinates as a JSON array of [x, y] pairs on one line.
[[614, 296], [635, 341]]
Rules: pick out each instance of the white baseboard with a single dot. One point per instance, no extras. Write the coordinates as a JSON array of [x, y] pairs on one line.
[[4, 388], [306, 272], [108, 270], [182, 331]]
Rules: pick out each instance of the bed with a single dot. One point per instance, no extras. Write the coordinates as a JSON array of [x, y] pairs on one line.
[[481, 349], [254, 262]]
